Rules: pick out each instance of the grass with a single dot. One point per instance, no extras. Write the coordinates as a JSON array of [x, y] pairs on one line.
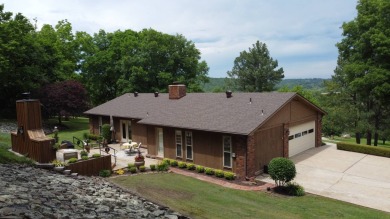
[[76, 127], [200, 199], [362, 141]]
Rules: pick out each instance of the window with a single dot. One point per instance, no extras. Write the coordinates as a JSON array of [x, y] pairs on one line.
[[304, 133], [179, 144], [311, 130], [297, 135], [227, 151], [291, 137], [189, 145]]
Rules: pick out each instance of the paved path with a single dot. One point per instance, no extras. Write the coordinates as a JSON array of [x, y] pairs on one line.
[[348, 176], [221, 182]]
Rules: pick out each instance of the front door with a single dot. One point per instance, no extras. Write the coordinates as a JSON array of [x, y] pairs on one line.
[[160, 142], [125, 130]]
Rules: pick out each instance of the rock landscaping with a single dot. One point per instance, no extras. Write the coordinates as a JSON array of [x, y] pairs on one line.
[[29, 192]]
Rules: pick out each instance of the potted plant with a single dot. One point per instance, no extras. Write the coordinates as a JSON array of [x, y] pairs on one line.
[[139, 159]]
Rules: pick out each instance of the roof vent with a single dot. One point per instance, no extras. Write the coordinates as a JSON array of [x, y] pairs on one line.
[[156, 94], [136, 94], [262, 112], [250, 100], [228, 94]]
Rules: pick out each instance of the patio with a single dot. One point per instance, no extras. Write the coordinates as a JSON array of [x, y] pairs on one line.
[[123, 156]]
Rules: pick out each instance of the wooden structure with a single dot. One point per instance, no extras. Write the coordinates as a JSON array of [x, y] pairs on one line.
[[29, 139], [92, 166]]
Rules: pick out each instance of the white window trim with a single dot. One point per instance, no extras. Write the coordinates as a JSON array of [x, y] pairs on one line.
[[192, 145], [223, 151], [181, 142]]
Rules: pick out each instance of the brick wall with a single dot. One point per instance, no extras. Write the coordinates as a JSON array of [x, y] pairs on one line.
[[240, 162], [251, 156], [177, 91], [286, 133], [319, 130]]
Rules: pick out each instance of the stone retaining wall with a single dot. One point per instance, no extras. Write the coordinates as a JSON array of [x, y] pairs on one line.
[[28, 192]]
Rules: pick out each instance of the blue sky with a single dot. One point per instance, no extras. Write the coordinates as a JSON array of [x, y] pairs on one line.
[[300, 34]]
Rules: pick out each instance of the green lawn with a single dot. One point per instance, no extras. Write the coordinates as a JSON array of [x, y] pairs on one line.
[[76, 127], [362, 141], [200, 199]]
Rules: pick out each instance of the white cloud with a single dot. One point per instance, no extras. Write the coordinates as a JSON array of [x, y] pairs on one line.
[[301, 34]]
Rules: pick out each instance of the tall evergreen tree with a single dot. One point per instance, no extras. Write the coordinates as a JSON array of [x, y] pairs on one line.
[[255, 70]]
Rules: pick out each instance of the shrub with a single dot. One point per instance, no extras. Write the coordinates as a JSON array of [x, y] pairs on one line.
[[182, 164], [228, 175], [133, 169], [93, 137], [152, 167], [99, 138], [166, 160], [130, 165], [200, 169], [83, 153], [282, 170], [58, 163], [219, 173], [190, 166], [86, 135], [174, 163], [72, 160], [142, 168], [120, 172], [84, 157], [295, 189], [106, 132], [96, 155], [105, 173], [162, 166], [209, 171], [365, 149]]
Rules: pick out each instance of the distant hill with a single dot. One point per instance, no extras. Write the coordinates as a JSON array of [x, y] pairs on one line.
[[218, 84]]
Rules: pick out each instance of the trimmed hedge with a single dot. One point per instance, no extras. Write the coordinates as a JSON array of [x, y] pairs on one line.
[[365, 149]]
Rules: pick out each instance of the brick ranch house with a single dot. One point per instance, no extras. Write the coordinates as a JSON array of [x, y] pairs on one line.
[[240, 132]]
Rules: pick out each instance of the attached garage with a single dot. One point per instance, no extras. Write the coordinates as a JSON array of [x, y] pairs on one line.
[[301, 138]]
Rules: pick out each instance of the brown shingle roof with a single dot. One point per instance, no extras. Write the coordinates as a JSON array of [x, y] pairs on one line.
[[199, 111]]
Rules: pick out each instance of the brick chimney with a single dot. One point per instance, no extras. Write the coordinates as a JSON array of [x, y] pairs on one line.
[[177, 91]]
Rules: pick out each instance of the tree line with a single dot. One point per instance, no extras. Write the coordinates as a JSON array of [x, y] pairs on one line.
[[54, 60]]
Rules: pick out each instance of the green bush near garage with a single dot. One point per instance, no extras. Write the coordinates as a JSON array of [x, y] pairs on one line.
[[372, 150]]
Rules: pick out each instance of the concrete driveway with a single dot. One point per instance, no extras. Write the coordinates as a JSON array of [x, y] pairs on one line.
[[348, 176]]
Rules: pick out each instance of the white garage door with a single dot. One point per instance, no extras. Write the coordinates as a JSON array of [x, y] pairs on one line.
[[302, 137]]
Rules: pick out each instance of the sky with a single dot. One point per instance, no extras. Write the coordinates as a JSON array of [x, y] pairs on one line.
[[300, 34]]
